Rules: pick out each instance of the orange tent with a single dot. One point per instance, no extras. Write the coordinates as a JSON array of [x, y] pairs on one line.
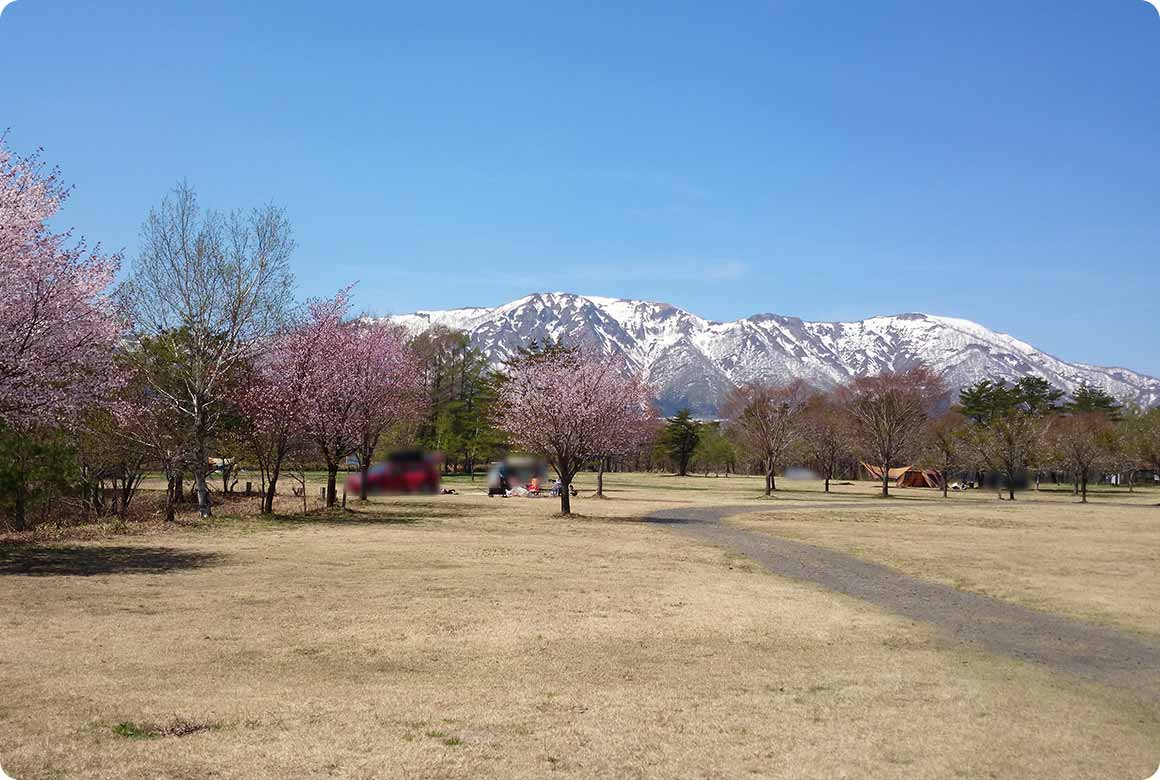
[[907, 476]]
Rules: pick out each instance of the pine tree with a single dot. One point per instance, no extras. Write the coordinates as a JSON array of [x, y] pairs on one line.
[[1094, 399], [680, 438]]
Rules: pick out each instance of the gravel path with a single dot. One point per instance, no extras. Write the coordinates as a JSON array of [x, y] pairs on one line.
[[1098, 653]]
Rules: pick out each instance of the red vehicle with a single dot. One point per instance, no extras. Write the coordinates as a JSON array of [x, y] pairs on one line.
[[412, 471]]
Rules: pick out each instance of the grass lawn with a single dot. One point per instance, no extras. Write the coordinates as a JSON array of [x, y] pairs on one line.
[[464, 637], [1095, 561]]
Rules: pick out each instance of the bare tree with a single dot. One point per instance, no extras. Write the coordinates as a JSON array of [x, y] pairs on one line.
[[1147, 443], [209, 288], [888, 413], [942, 446], [826, 435], [1124, 457], [767, 421], [1007, 425], [1083, 441]]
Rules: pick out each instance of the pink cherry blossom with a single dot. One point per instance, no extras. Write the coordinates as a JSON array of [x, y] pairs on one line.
[[571, 408], [341, 383], [58, 325], [386, 380], [276, 400]]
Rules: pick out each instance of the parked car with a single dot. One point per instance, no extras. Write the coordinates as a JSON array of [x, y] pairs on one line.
[[410, 471]]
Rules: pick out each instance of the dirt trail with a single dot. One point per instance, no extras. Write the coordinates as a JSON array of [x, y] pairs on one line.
[[1097, 653]]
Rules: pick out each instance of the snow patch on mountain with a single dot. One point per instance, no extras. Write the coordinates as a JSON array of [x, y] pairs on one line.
[[693, 362]]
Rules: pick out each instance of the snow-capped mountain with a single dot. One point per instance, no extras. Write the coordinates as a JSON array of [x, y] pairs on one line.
[[693, 362]]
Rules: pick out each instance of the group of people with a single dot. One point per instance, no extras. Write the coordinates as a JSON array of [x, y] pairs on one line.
[[520, 478], [532, 488]]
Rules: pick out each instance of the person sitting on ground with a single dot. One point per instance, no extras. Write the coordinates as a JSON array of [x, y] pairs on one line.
[[534, 486], [557, 486]]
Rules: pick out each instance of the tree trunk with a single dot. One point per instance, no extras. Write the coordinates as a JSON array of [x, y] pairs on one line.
[[204, 507], [268, 498], [91, 495], [565, 497], [179, 488], [886, 480], [600, 480], [170, 500], [946, 488], [828, 476], [270, 492], [201, 435], [19, 521], [364, 467], [1084, 481], [331, 478], [768, 481]]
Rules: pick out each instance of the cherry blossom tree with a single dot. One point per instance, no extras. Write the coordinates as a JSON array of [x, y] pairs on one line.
[[570, 408], [330, 401], [632, 432], [58, 325], [274, 400], [363, 380], [385, 380]]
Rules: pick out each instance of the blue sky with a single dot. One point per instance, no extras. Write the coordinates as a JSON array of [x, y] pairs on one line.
[[990, 160]]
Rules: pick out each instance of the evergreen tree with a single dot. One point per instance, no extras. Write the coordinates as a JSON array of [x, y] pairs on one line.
[[1037, 396], [714, 452], [461, 387], [680, 438], [1007, 424], [1094, 399]]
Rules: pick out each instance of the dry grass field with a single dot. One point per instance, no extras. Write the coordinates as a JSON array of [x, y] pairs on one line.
[[1095, 561], [465, 637]]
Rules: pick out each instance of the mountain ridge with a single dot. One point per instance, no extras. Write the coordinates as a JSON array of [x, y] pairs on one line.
[[693, 361]]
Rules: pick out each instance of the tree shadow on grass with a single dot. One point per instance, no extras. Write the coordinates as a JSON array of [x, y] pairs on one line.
[[371, 515], [652, 520], [33, 560]]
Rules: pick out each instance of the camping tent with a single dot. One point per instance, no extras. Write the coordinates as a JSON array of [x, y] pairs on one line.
[[907, 476], [920, 478]]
